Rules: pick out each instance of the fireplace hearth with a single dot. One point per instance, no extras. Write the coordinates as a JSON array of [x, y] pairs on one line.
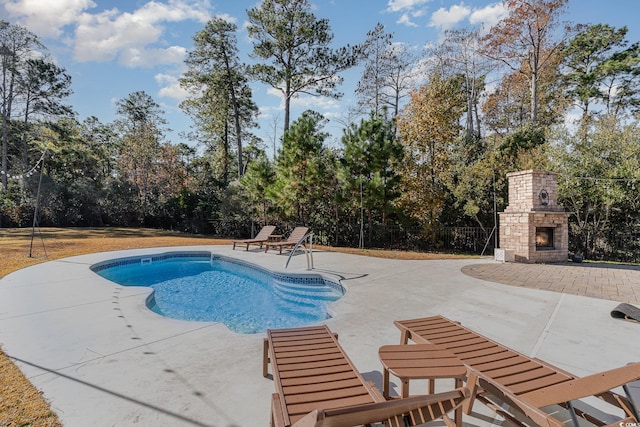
[[544, 238]]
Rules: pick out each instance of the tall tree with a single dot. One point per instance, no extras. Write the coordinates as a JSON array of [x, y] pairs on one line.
[[371, 158], [459, 54], [16, 45], [598, 59], [402, 77], [377, 61], [525, 41], [218, 86], [601, 171], [259, 177], [42, 88], [141, 132], [297, 44], [387, 76], [429, 128], [301, 167], [508, 107], [78, 172]]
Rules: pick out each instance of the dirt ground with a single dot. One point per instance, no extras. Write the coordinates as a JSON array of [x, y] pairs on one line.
[[21, 404]]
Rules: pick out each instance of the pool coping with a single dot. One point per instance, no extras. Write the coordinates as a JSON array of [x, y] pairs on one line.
[[306, 279]]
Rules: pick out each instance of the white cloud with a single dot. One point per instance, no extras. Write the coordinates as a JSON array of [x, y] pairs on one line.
[[406, 20], [101, 37], [135, 57], [400, 5], [445, 19], [418, 13], [334, 115], [107, 35], [408, 9], [170, 87], [489, 15], [228, 18], [136, 38], [275, 92], [269, 112], [317, 103], [47, 18], [173, 11]]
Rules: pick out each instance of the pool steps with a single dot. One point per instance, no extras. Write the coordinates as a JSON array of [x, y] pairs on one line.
[[300, 298]]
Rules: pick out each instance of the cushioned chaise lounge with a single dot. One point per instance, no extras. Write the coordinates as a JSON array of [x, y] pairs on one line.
[[261, 238], [295, 236], [498, 375], [317, 385]]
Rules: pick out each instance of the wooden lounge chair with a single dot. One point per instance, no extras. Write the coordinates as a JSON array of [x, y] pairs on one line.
[[261, 238], [498, 375], [317, 385], [295, 236]]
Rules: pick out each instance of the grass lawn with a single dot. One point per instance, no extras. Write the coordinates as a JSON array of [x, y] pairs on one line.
[[21, 404]]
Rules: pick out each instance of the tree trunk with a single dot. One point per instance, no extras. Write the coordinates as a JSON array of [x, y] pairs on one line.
[[6, 122], [534, 98], [5, 152], [236, 113], [287, 105], [25, 145]]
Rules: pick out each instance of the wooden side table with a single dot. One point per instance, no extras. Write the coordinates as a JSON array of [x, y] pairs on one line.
[[421, 361], [275, 237]]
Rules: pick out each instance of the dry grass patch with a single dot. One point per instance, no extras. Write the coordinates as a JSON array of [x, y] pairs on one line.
[[21, 404], [55, 243], [382, 253]]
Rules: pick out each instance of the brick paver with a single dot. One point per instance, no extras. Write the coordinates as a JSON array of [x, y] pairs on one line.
[[604, 281]]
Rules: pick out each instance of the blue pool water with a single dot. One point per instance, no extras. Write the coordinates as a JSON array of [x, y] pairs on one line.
[[247, 299]]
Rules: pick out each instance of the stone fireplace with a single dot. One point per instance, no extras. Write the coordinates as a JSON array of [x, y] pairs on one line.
[[533, 227]]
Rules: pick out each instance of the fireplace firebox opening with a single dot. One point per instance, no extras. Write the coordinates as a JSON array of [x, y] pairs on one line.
[[544, 238]]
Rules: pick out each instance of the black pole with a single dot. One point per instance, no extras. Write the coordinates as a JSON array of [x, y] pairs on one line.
[[495, 213], [35, 211], [361, 242]]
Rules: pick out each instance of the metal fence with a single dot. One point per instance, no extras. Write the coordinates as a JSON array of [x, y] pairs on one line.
[[613, 246], [471, 240]]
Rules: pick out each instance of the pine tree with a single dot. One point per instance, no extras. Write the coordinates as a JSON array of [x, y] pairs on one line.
[[297, 46]]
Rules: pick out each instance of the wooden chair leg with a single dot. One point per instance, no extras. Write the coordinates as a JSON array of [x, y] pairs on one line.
[[458, 411], [472, 385], [265, 358]]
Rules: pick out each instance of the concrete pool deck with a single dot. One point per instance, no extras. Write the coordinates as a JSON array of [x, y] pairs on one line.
[[103, 359]]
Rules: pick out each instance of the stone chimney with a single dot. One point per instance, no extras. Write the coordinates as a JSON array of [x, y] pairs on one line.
[[533, 227]]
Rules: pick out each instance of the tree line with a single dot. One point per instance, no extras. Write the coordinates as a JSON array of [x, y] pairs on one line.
[[427, 146]]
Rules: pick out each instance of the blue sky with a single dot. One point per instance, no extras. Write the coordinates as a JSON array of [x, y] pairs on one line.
[[113, 48]]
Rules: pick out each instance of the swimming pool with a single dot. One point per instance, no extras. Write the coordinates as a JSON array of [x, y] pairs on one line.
[[199, 286]]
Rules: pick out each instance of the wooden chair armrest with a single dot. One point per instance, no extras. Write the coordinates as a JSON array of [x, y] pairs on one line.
[[406, 335], [533, 412], [373, 390], [435, 407], [578, 388], [277, 417]]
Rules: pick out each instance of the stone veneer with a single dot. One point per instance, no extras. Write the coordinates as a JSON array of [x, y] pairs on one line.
[[533, 204]]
